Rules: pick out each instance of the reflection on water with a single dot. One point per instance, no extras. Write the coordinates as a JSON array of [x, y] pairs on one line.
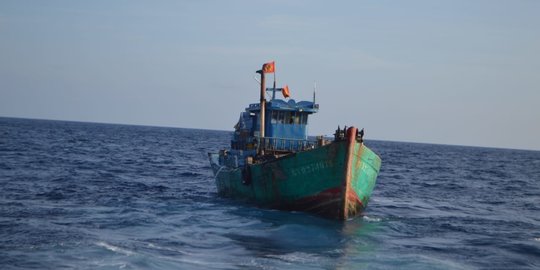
[[305, 239]]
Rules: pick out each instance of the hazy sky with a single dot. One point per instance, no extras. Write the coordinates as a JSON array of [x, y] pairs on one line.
[[452, 72]]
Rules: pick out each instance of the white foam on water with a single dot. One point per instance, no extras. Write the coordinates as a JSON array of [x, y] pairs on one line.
[[371, 219], [537, 239], [109, 265], [115, 248], [295, 257], [205, 262]]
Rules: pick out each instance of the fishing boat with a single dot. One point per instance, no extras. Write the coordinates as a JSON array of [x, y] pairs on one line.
[[272, 162]]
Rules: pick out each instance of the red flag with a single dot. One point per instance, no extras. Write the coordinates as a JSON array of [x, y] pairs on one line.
[[269, 67], [286, 92]]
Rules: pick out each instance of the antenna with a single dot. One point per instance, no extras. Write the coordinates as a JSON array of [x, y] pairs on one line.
[[257, 80], [314, 90]]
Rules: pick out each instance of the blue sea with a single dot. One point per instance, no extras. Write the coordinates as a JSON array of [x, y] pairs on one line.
[[101, 196]]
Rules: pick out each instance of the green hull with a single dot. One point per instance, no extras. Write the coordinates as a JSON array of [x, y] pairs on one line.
[[333, 181]]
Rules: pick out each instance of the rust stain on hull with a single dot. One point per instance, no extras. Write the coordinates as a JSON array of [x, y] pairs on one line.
[[347, 188]]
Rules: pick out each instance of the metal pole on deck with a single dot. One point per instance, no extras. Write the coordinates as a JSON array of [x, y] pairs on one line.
[[274, 92], [261, 114]]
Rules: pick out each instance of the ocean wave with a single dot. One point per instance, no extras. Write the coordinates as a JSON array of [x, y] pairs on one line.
[[144, 198], [115, 248], [190, 174], [295, 257]]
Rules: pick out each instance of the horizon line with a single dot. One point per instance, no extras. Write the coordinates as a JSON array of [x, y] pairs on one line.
[[209, 129]]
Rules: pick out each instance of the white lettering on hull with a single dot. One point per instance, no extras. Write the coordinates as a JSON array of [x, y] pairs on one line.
[[312, 168]]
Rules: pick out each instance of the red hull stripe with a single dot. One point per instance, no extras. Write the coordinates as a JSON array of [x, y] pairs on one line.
[[327, 203]]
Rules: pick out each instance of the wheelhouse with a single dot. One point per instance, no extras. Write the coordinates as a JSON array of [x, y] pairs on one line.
[[286, 126]]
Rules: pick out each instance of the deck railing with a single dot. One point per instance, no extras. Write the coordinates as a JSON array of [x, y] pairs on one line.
[[283, 144]]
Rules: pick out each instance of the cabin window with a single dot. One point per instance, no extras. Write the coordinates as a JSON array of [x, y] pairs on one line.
[[280, 117], [291, 118], [296, 118], [286, 117], [274, 117]]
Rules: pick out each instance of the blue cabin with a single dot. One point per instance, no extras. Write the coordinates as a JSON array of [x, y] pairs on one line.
[[286, 126]]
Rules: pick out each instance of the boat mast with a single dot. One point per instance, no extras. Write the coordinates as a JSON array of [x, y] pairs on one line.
[[263, 110]]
